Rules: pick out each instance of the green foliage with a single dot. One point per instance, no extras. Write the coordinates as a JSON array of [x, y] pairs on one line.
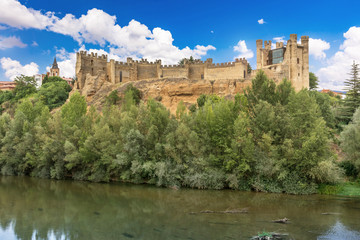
[[113, 98], [269, 139], [324, 101], [25, 86], [74, 110], [249, 69], [261, 89], [313, 81], [54, 93], [133, 93], [343, 189], [53, 79], [349, 168], [5, 96], [192, 108], [350, 140], [184, 60], [352, 100]]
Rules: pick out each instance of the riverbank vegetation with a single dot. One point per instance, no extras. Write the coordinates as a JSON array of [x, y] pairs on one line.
[[270, 139]]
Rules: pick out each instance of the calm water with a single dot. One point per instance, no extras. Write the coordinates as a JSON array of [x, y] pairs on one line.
[[45, 209]]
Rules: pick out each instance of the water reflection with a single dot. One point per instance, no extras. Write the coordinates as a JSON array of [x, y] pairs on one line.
[[45, 209], [340, 232]]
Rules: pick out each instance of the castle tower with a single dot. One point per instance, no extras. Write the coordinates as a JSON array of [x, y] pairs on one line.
[[290, 61], [54, 70]]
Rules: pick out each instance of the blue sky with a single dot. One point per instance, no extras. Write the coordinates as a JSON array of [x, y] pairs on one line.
[[33, 32]]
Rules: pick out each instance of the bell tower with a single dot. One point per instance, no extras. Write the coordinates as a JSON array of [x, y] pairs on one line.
[[54, 70]]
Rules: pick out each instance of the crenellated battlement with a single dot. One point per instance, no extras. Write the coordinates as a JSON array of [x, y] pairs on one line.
[[91, 55], [173, 66], [134, 70], [122, 63], [291, 60], [221, 65]]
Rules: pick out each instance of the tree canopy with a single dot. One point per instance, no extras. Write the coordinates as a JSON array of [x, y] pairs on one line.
[[352, 100], [270, 139], [313, 81]]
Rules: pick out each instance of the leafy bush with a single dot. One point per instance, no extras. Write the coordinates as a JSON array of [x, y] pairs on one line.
[[269, 139]]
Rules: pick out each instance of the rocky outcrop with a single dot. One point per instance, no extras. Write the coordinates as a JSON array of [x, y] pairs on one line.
[[169, 91]]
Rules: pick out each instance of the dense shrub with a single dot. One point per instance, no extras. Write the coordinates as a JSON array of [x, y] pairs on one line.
[[269, 139]]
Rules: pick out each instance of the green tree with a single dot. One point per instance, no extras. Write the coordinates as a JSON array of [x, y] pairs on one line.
[[350, 140], [54, 94], [261, 88], [184, 60], [48, 79], [73, 111], [25, 86], [134, 92], [249, 69], [352, 100], [324, 102], [313, 81], [113, 98]]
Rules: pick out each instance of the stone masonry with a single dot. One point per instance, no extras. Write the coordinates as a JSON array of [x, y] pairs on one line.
[[290, 61]]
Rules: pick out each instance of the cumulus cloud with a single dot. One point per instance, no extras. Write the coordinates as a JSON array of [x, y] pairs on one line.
[[338, 66], [243, 50], [99, 27], [10, 42], [14, 68], [261, 21], [34, 44], [14, 14], [317, 48]]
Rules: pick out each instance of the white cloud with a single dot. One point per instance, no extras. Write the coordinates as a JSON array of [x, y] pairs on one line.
[[317, 48], [279, 39], [261, 21], [338, 66], [211, 31], [14, 14], [98, 27], [3, 27], [14, 68], [10, 42], [243, 50], [34, 44]]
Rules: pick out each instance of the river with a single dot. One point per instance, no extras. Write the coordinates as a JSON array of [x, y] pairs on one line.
[[33, 208]]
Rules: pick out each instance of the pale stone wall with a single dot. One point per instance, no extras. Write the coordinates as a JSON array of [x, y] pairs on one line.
[[174, 71], [226, 71], [146, 71], [116, 72], [89, 64], [295, 65], [197, 71]]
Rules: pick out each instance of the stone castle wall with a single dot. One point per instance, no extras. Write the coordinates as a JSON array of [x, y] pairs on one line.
[[293, 65], [116, 72]]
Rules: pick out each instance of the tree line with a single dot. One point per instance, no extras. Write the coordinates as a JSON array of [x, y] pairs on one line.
[[270, 138]]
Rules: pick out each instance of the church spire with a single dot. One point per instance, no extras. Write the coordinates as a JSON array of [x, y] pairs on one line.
[[55, 65]]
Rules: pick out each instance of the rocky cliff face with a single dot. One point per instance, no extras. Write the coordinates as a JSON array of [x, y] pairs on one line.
[[170, 91]]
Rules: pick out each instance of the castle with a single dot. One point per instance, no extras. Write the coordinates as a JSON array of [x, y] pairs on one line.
[[289, 61]]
